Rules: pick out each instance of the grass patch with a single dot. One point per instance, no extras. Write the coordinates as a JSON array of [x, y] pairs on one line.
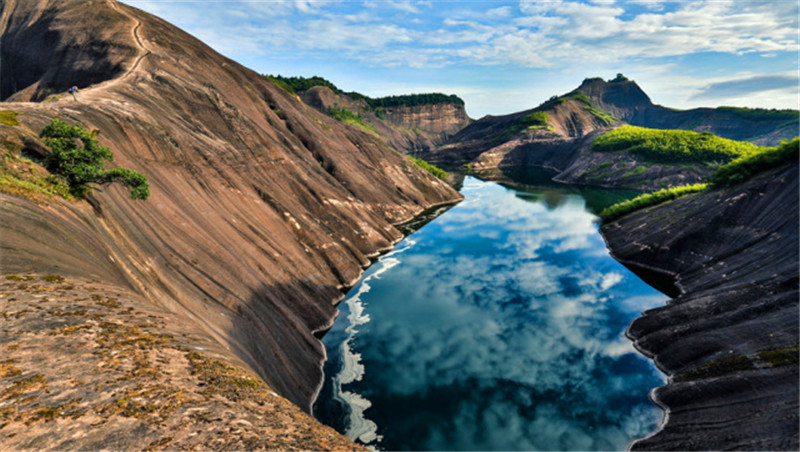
[[638, 171], [600, 114], [9, 118], [672, 146], [537, 118], [649, 199], [53, 278], [436, 171], [221, 379], [348, 116], [746, 167]]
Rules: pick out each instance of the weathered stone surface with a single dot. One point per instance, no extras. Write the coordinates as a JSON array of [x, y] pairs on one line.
[[409, 129], [261, 209], [88, 365], [729, 339]]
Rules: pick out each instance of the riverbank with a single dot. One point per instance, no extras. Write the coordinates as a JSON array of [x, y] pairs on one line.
[[729, 338]]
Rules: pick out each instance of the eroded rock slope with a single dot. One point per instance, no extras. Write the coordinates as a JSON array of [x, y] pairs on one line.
[[261, 210], [729, 338]]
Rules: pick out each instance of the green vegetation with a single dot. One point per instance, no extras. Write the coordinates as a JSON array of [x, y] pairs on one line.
[[638, 171], [76, 156], [600, 114], [672, 146], [9, 118], [438, 172], [578, 95], [763, 114], [412, 100], [537, 118], [297, 84], [349, 117], [745, 167], [619, 78], [649, 199]]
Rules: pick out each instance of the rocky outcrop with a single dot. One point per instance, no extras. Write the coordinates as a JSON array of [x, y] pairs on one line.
[[729, 338], [577, 118], [410, 129], [627, 102], [261, 209]]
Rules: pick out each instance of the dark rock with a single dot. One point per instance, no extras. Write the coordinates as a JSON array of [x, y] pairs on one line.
[[729, 341]]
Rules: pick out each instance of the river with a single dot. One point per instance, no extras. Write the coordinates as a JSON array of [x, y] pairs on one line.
[[497, 326]]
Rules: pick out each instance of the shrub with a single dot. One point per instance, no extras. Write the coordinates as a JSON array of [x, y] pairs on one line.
[[438, 172], [672, 146], [745, 167], [76, 156], [537, 118], [648, 199]]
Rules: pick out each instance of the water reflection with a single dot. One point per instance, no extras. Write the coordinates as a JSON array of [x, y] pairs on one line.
[[497, 326]]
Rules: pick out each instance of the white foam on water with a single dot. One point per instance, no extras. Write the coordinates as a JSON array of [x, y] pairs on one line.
[[359, 427]]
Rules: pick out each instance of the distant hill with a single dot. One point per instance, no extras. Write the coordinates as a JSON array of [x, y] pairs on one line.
[[410, 123], [574, 120]]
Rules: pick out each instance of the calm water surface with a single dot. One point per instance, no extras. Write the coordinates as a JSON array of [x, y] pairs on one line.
[[498, 326]]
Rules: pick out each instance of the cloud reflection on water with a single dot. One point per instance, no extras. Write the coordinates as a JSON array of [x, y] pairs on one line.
[[500, 326]]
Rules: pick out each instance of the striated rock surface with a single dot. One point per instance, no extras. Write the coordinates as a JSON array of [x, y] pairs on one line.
[[261, 209], [729, 338], [409, 129]]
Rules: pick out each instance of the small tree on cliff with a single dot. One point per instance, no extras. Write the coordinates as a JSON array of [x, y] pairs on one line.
[[76, 156]]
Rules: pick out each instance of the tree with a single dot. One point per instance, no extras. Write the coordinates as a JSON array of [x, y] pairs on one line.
[[76, 155]]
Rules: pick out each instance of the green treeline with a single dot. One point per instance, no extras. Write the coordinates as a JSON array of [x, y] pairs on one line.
[[672, 146], [299, 84]]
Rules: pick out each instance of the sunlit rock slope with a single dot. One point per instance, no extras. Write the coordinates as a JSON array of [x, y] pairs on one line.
[[261, 210]]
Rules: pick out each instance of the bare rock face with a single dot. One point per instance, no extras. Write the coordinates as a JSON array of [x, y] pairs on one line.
[[626, 101], [409, 129], [261, 210], [729, 338]]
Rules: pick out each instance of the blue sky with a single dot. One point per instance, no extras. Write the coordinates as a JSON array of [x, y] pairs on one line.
[[503, 57]]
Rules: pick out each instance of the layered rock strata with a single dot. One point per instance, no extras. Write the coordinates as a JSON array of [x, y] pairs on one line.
[[729, 338]]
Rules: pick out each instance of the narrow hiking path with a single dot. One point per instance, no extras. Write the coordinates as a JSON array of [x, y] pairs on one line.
[[143, 53]]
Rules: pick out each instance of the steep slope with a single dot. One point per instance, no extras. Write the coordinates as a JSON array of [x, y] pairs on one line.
[[729, 338], [261, 210], [412, 129]]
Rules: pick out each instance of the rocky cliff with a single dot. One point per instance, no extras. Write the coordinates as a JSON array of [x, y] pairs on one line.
[[729, 338], [412, 129], [626, 101], [261, 209]]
